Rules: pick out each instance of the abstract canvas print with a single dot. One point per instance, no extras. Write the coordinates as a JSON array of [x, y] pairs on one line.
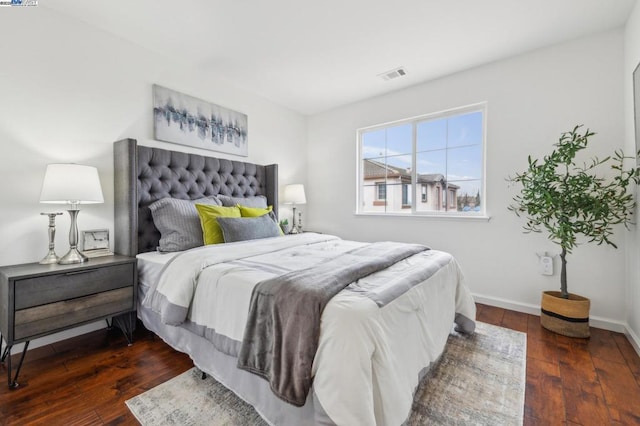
[[185, 120]]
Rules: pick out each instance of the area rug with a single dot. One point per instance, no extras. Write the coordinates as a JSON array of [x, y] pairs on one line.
[[479, 380]]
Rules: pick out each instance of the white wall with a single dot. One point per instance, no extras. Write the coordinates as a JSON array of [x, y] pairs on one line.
[[632, 58], [68, 91], [531, 99]]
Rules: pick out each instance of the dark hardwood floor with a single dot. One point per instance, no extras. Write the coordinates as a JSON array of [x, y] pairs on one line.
[[85, 380], [593, 381]]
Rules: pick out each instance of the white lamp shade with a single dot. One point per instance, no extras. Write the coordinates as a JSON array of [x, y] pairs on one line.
[[71, 183], [294, 194]]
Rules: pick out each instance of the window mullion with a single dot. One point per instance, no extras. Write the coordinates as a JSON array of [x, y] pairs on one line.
[[414, 168], [445, 190], [386, 172]]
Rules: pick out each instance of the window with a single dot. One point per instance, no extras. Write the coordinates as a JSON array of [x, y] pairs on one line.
[[437, 159], [382, 191], [406, 196]]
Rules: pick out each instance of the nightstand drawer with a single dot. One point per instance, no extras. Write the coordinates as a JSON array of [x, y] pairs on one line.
[[51, 288], [53, 316]]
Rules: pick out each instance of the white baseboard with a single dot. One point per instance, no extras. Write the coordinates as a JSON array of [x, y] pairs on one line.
[[594, 321], [633, 339], [508, 304]]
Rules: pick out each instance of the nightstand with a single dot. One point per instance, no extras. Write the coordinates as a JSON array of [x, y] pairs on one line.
[[37, 300]]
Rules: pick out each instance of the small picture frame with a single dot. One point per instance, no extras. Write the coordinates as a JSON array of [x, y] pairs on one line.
[[95, 242]]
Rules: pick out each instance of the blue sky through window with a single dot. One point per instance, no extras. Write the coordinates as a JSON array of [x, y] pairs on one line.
[[451, 146]]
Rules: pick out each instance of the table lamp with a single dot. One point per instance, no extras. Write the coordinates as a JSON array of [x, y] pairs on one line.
[[71, 184], [294, 194]]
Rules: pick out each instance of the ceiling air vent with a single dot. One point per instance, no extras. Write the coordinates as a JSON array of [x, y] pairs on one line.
[[395, 73]]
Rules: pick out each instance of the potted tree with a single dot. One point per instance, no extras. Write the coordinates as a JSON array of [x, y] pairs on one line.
[[568, 200]]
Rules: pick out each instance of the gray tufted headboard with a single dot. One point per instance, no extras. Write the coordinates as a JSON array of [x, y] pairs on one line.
[[143, 175]]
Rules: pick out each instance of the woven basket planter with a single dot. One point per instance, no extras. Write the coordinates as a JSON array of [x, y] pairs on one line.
[[569, 317]]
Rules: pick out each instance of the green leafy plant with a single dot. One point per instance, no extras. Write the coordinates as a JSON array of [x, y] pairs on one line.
[[566, 199], [284, 222]]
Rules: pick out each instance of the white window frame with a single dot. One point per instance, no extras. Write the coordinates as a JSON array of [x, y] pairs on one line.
[[482, 214]]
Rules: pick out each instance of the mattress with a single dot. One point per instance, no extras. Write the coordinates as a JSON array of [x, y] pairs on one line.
[[150, 266]]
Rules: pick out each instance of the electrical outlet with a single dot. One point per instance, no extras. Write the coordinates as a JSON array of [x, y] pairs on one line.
[[546, 265]]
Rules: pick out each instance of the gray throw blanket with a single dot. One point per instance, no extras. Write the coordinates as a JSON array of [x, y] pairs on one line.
[[283, 328]]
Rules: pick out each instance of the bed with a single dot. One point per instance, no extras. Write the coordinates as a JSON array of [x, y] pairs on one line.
[[377, 337]]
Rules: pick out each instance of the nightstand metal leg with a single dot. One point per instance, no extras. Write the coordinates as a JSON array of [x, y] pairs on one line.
[[126, 323], [13, 382], [6, 350], [8, 365]]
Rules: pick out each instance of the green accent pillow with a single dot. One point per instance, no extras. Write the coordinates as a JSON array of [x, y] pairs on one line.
[[253, 211], [211, 232]]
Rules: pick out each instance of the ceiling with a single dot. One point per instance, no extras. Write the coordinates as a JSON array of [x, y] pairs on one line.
[[312, 56]]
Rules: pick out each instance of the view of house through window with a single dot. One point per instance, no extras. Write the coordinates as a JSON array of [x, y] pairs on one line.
[[428, 164]]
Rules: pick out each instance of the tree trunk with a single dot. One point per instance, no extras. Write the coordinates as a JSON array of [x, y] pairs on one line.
[[563, 274]]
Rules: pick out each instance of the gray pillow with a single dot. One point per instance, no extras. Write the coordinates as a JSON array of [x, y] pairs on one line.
[[257, 201], [248, 228], [178, 222]]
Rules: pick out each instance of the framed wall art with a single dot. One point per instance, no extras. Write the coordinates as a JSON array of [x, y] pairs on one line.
[[185, 120]]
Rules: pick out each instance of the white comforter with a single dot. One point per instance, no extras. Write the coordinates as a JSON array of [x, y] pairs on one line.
[[369, 357]]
